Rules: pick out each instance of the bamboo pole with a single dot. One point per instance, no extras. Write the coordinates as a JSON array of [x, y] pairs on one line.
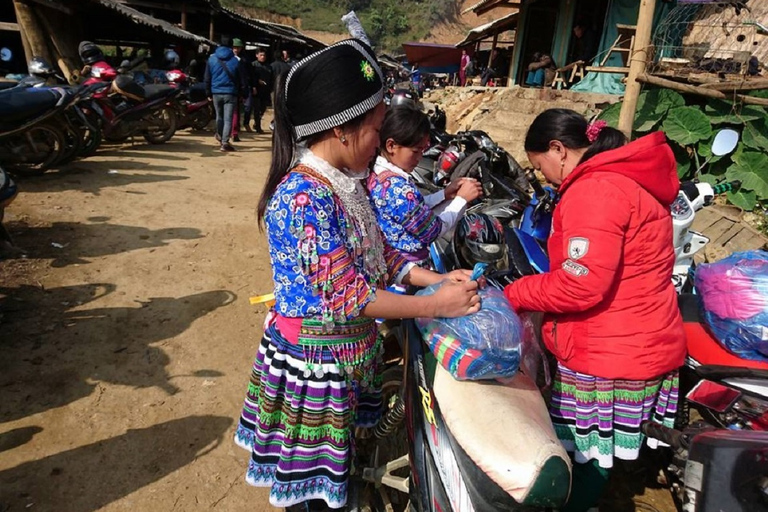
[[33, 37], [740, 85], [64, 45], [693, 89], [637, 61], [184, 15], [493, 47]]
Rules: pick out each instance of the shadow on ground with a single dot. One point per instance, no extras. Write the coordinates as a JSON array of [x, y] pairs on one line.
[[90, 477], [76, 242], [54, 348]]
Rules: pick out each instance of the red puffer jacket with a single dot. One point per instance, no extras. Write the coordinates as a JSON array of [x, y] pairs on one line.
[[611, 309]]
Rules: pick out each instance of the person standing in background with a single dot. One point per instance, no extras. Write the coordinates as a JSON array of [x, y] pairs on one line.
[[465, 60], [263, 80], [245, 93], [416, 77], [222, 84]]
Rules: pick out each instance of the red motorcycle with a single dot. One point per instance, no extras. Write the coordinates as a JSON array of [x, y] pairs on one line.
[[195, 111], [125, 108]]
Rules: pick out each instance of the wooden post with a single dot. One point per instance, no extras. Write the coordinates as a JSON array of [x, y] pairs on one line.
[[33, 37], [493, 47], [210, 29], [184, 16], [64, 43], [637, 63]]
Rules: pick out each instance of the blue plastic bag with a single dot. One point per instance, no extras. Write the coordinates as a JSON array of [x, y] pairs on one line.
[[484, 345], [734, 299]]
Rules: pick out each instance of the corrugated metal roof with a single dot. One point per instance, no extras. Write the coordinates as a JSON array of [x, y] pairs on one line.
[[483, 31], [147, 20], [275, 29]]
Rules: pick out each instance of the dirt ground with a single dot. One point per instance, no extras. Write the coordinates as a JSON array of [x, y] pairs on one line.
[[127, 336]]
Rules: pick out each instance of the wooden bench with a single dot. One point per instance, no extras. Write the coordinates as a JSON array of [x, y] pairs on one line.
[[565, 75]]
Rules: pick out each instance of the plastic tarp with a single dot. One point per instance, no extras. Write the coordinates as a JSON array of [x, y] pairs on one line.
[[621, 12], [433, 58]]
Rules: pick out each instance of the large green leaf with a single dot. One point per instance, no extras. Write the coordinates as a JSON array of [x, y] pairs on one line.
[[653, 105], [755, 135], [744, 199], [611, 115], [685, 166], [726, 112], [762, 93], [751, 169], [687, 125]]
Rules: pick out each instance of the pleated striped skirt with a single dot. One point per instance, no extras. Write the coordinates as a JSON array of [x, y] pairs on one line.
[[302, 405]]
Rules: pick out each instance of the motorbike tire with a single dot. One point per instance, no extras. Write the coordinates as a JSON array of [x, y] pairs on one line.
[[73, 141], [49, 142], [92, 137], [169, 128], [91, 142]]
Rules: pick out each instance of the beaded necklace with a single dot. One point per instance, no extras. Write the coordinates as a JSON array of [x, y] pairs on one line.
[[362, 227]]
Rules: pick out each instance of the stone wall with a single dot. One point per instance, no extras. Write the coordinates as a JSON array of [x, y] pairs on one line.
[[505, 113]]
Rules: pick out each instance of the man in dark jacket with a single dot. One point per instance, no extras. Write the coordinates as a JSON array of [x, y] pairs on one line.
[[282, 64], [263, 79], [223, 82], [248, 91]]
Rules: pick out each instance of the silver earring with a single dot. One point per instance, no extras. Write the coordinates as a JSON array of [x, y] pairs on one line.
[[343, 139]]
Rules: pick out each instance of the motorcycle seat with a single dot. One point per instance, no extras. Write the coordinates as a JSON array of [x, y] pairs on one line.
[[506, 432], [702, 346], [152, 91], [19, 105], [6, 84]]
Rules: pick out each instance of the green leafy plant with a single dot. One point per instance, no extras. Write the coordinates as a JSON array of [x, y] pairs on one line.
[[691, 126]]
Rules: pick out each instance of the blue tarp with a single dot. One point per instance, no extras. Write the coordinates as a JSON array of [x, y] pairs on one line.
[[619, 12]]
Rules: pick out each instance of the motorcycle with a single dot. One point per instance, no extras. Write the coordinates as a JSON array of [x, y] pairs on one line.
[[30, 140], [194, 109], [474, 154], [131, 110], [694, 196], [720, 455]]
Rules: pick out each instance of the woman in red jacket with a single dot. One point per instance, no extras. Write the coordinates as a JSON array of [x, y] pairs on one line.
[[611, 315]]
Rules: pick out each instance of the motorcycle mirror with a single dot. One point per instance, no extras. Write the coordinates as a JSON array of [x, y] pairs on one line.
[[725, 142]]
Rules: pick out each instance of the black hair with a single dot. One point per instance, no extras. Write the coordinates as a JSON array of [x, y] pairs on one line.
[[283, 143], [406, 125], [570, 128]]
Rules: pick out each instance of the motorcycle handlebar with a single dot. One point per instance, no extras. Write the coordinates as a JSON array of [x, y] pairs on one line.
[[726, 187], [670, 436]]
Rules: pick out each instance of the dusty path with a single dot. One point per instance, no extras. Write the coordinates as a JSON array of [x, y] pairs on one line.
[[126, 352]]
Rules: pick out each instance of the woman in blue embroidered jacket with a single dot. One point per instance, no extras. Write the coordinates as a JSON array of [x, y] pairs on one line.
[[315, 375], [406, 217]]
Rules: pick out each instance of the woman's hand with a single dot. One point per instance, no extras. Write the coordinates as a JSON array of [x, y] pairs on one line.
[[469, 189], [459, 275], [456, 299], [454, 188]]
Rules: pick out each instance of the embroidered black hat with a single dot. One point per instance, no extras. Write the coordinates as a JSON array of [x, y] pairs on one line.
[[333, 86]]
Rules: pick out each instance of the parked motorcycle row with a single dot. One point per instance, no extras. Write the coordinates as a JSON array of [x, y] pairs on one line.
[[44, 124], [429, 455]]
